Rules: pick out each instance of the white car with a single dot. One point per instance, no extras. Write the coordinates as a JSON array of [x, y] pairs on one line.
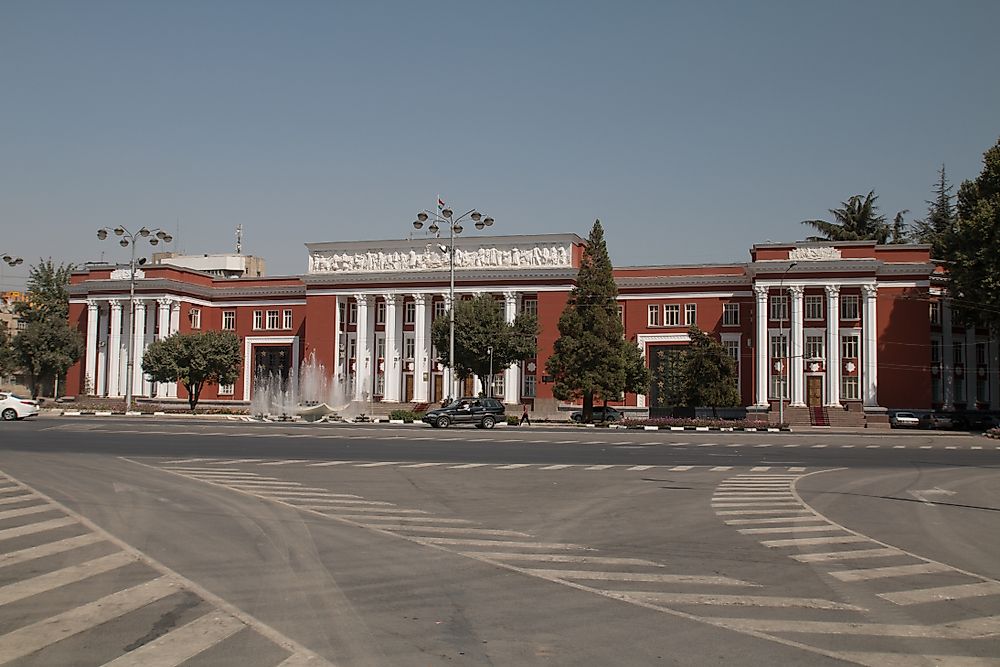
[[14, 407], [904, 420]]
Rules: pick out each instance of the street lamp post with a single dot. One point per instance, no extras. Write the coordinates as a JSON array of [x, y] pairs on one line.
[[129, 239], [446, 217], [12, 261], [490, 392], [785, 346]]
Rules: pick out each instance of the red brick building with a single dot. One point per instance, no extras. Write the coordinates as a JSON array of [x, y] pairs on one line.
[[850, 327]]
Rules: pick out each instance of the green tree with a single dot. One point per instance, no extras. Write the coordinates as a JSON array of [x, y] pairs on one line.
[[8, 356], [857, 219], [194, 360], [972, 248], [47, 345], [900, 232], [637, 376], [479, 325], [940, 219], [708, 375], [588, 358]]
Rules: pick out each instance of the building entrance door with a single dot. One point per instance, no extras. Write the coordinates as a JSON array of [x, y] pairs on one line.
[[814, 391], [408, 388], [272, 364], [438, 388]]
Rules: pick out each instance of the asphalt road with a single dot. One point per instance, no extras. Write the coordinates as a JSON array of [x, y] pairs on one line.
[[160, 542]]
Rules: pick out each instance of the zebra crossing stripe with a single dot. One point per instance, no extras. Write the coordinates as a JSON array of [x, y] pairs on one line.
[[600, 467], [333, 497], [285, 462], [772, 511], [338, 506], [420, 519], [788, 529], [720, 468], [761, 503], [32, 528], [884, 572], [328, 463], [183, 643], [513, 466], [959, 592], [466, 466], [637, 468], [809, 541], [644, 577], [231, 462], [779, 519], [379, 464], [499, 543], [965, 629], [881, 659], [18, 499], [423, 465], [449, 530], [733, 600], [847, 555], [561, 558], [561, 466], [36, 636], [680, 468], [25, 511], [67, 575], [49, 549]]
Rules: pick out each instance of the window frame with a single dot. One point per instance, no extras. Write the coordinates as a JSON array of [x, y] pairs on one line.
[[287, 319], [728, 310], [671, 315], [258, 320], [778, 310], [194, 318], [813, 302], [653, 315], [690, 314], [850, 340], [850, 303], [229, 320]]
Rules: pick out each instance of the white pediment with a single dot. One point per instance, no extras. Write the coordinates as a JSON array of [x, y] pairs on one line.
[[124, 274], [433, 256], [814, 254]]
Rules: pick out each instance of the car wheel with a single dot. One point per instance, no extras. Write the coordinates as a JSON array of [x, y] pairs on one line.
[[443, 422], [9, 415], [488, 422]]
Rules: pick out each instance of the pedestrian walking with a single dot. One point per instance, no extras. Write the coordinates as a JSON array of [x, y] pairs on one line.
[[525, 419]]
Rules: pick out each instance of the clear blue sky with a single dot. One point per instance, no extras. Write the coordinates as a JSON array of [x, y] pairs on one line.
[[692, 130]]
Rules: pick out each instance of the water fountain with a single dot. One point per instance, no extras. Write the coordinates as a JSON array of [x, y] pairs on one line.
[[308, 392]]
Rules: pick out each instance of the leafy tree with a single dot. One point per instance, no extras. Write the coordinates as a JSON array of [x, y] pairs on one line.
[[857, 219], [588, 358], [479, 325], [708, 375], [194, 360], [972, 247], [47, 345], [8, 356], [637, 376], [940, 217]]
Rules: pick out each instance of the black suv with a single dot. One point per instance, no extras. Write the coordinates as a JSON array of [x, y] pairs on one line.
[[483, 412], [601, 413]]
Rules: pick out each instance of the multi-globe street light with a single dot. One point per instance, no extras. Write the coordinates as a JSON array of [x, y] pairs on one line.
[[785, 345], [446, 216], [10, 260], [127, 239]]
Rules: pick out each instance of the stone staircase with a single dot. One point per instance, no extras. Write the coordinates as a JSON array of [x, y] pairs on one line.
[[822, 416]]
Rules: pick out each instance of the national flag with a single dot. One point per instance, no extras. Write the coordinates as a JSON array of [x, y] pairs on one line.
[[440, 204]]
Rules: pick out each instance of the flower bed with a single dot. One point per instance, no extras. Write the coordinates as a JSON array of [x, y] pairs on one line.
[[689, 423]]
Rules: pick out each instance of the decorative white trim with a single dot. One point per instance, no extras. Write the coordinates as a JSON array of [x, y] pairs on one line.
[[853, 282], [248, 344], [667, 296], [436, 291], [145, 296], [642, 339]]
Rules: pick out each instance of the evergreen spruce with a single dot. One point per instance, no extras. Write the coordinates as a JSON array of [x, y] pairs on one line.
[[708, 376], [940, 217]]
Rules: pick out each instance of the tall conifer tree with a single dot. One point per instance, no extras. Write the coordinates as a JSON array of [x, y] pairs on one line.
[[940, 217], [588, 359]]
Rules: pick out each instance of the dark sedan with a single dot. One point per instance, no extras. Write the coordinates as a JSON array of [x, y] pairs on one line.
[[601, 413]]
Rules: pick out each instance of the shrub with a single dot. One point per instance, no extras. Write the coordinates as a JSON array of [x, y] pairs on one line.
[[513, 421], [407, 416]]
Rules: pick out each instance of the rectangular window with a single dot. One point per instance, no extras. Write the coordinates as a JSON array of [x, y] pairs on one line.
[[935, 312], [258, 320], [229, 320], [410, 312], [779, 346], [980, 354], [654, 315], [380, 348], [380, 312], [958, 352], [528, 385], [814, 347], [497, 385], [287, 317], [342, 314], [849, 388], [779, 388], [409, 348], [380, 384], [529, 307], [194, 316], [226, 389], [982, 391], [814, 307], [439, 309], [621, 315], [779, 307], [960, 390], [672, 315], [690, 314], [352, 313], [732, 349], [352, 349], [849, 346], [272, 319], [849, 307], [935, 352], [731, 314]]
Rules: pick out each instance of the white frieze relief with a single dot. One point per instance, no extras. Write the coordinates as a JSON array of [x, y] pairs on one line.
[[124, 274], [431, 257], [814, 254]]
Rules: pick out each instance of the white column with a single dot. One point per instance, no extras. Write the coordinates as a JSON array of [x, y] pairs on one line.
[[138, 339], [947, 357], [93, 313], [796, 397], [175, 326], [833, 346], [362, 362], [101, 388], [114, 349], [335, 373], [422, 347], [971, 367], [994, 366], [869, 361], [761, 368], [163, 330], [511, 376], [393, 363]]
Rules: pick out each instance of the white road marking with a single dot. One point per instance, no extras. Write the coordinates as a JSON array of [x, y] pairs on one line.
[[25, 511], [32, 528], [774, 530], [720, 468], [637, 468], [379, 464], [49, 549], [600, 467], [561, 466], [776, 511], [591, 575], [760, 469], [340, 507], [966, 629], [232, 462], [18, 499], [959, 592], [808, 541], [36, 636], [302, 660], [884, 572], [772, 503], [182, 643], [188, 460], [450, 530], [466, 466], [285, 462], [421, 519], [424, 465], [778, 519], [847, 555], [735, 600], [819, 447], [499, 543], [328, 463], [796, 469], [333, 497], [680, 468], [514, 466], [561, 558], [67, 575]]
